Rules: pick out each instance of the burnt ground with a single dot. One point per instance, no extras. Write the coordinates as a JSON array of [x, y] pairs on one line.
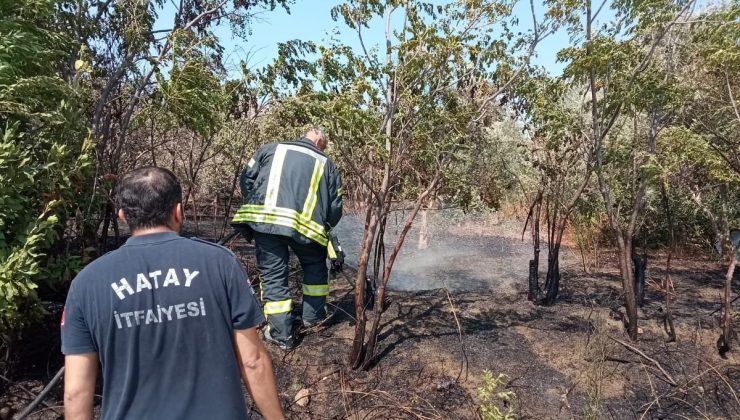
[[563, 361]]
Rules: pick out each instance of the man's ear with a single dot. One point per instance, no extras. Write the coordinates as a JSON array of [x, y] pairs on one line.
[[178, 214], [122, 216]]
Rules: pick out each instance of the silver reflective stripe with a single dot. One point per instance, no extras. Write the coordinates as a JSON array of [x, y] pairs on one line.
[[305, 151], [279, 307], [315, 289], [276, 171]]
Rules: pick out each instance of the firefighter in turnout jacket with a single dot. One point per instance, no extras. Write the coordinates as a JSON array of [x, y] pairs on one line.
[[292, 197]]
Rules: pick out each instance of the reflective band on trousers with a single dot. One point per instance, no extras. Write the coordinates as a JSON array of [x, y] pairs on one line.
[[316, 289], [279, 307]]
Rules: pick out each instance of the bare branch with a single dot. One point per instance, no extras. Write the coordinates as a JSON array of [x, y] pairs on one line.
[[639, 352], [732, 98]]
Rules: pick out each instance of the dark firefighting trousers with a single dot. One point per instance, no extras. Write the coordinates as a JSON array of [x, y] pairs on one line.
[[272, 261]]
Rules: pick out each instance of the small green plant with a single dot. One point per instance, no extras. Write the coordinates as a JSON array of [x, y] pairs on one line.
[[495, 400], [596, 352]]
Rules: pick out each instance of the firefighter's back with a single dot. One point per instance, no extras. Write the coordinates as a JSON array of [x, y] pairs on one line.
[[287, 191]]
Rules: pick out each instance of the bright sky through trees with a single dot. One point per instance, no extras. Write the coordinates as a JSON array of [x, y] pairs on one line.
[[310, 20]]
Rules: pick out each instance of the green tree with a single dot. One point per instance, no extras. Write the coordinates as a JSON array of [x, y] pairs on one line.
[[616, 62], [44, 152], [710, 149], [405, 119], [128, 57], [562, 156]]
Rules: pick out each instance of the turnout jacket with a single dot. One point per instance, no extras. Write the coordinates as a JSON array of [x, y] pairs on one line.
[[292, 189]]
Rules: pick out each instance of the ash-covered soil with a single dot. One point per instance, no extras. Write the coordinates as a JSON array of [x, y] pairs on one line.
[[564, 361], [569, 360]]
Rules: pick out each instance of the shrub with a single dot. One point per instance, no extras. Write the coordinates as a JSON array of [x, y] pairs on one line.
[[496, 400], [44, 154]]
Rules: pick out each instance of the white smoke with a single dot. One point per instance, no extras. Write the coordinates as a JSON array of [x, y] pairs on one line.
[[486, 258]]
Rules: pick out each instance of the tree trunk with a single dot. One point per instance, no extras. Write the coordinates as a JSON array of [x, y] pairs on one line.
[[423, 231], [553, 275], [727, 318], [382, 287], [195, 213], [215, 213], [534, 281], [534, 264], [227, 207], [116, 229], [668, 326], [371, 223], [370, 291], [640, 264], [106, 225], [582, 248], [556, 229], [628, 284]]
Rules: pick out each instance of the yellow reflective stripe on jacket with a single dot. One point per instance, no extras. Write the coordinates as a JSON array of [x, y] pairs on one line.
[[282, 211], [281, 216], [312, 197], [279, 307], [331, 251], [284, 217], [282, 221], [316, 289]]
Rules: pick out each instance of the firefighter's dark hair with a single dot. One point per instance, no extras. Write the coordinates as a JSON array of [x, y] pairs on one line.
[[147, 196]]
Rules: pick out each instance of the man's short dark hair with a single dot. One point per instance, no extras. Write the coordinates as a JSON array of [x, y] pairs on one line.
[[147, 195]]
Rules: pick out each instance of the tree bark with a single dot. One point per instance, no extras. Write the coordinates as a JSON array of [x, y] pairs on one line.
[[195, 212], [371, 223], [582, 247], [640, 264], [667, 282], [423, 230], [534, 264], [628, 283], [727, 318], [106, 225], [382, 287], [553, 276]]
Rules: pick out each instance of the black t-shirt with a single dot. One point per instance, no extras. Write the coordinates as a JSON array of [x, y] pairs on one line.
[[160, 311]]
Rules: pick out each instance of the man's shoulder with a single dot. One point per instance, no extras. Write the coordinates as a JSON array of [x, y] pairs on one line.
[[266, 148], [93, 270]]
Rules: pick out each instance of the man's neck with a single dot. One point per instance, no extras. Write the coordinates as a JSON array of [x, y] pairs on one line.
[[308, 140], [149, 231]]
